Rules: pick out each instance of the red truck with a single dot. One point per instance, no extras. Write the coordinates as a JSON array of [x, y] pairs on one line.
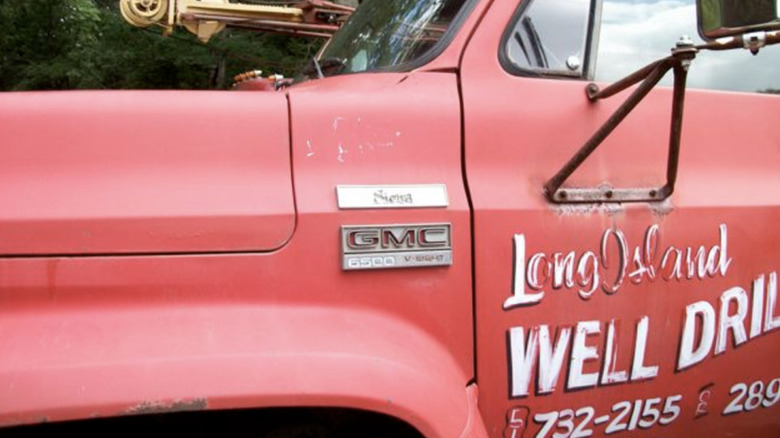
[[441, 230]]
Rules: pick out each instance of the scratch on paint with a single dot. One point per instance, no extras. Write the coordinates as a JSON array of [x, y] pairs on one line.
[[359, 136], [157, 407], [587, 209], [336, 123], [311, 149], [661, 209], [342, 153]]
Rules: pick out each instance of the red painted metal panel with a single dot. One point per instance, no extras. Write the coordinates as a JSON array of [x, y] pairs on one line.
[[144, 172], [388, 128], [96, 361], [661, 346], [111, 335]]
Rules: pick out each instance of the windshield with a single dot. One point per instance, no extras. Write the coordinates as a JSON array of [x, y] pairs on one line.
[[383, 34]]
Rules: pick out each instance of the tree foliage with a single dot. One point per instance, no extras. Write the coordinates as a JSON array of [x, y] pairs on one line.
[[85, 44]]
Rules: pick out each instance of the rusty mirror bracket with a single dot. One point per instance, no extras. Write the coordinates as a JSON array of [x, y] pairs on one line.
[[649, 77]]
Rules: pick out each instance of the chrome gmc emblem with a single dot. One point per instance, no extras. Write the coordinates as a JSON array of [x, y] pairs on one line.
[[396, 246]]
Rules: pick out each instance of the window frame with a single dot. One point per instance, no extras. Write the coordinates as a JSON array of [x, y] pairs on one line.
[[591, 46], [431, 54]]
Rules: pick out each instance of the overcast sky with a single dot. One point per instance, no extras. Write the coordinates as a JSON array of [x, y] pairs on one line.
[[637, 32]]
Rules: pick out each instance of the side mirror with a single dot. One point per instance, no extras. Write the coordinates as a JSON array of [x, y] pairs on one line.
[[722, 18]]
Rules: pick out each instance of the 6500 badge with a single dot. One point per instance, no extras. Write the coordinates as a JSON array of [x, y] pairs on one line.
[[396, 246]]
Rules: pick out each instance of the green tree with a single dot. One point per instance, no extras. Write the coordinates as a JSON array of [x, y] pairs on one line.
[[49, 44], [71, 44]]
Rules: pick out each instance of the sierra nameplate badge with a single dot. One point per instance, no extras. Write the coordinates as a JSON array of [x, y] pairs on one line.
[[396, 246]]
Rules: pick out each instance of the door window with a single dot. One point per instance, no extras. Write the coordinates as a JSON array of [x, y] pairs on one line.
[[610, 39], [549, 37]]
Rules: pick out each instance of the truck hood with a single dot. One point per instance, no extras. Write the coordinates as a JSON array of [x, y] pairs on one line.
[[144, 173]]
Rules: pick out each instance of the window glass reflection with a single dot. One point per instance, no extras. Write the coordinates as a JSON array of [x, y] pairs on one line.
[[550, 37], [387, 33]]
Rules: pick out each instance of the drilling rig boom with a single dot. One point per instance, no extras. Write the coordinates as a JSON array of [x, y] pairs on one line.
[[205, 18]]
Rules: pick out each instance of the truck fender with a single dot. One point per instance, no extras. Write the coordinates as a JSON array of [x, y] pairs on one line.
[[97, 362]]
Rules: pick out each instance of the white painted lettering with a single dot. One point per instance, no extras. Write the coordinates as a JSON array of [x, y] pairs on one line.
[[608, 374], [692, 352], [582, 353], [638, 369], [522, 356], [723, 255], [757, 314], [622, 257], [551, 360], [643, 260], [771, 322], [542, 353], [563, 270], [588, 272], [519, 297], [608, 268], [736, 322], [532, 273]]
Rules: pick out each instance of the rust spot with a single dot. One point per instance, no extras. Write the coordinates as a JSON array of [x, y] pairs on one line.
[[661, 209], [588, 209], [24, 422], [158, 407]]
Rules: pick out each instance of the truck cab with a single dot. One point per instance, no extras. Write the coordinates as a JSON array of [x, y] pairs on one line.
[[450, 220]]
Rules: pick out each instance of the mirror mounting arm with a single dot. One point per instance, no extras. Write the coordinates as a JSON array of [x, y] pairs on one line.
[[751, 41], [649, 77]]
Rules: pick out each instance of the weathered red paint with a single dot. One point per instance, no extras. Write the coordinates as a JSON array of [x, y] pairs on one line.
[[168, 251], [519, 132], [99, 335], [144, 172]]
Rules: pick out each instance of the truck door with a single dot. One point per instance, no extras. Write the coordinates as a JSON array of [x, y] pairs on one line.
[[595, 319]]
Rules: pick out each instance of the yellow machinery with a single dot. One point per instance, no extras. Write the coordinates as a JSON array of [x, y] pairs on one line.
[[205, 18]]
